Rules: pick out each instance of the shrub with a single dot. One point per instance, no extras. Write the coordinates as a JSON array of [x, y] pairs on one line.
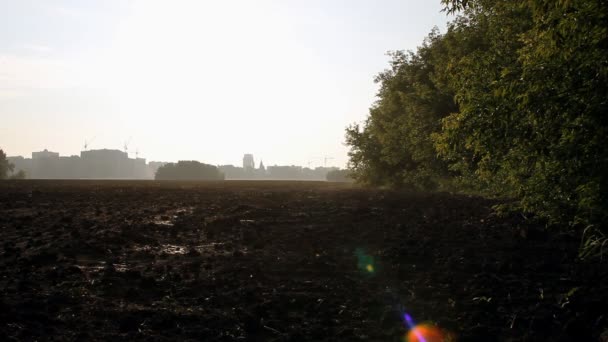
[[188, 170]]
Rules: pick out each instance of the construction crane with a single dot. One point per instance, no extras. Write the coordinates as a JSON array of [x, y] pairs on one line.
[[88, 142], [325, 159], [126, 146]]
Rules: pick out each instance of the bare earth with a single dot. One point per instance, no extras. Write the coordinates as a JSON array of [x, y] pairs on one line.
[[282, 261]]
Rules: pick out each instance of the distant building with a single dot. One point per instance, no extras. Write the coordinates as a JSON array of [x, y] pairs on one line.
[[105, 163], [285, 172], [116, 164], [69, 167], [248, 163], [232, 172], [92, 164], [45, 164], [275, 172], [44, 154]]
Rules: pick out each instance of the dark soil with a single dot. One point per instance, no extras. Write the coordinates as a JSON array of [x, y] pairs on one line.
[[282, 261]]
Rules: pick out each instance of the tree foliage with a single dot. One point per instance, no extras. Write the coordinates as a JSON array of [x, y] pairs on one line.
[[5, 166], [188, 170], [533, 115], [394, 146], [511, 100]]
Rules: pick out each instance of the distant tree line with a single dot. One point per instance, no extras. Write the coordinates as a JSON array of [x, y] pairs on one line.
[[510, 101], [188, 170], [339, 176], [6, 168]]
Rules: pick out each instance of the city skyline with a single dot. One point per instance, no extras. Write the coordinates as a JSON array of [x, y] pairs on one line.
[[116, 164], [280, 79], [324, 162]]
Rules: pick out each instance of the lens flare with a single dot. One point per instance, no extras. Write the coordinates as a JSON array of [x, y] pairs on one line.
[[422, 332], [365, 262], [425, 333], [408, 320]]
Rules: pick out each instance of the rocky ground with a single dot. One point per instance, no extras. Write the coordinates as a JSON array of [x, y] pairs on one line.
[[283, 261]]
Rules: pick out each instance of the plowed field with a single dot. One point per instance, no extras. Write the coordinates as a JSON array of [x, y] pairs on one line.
[[283, 261]]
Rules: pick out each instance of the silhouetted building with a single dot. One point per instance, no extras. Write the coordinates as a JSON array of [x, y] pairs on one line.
[[116, 164], [105, 164], [92, 164], [46, 164], [275, 173], [44, 154], [70, 167], [285, 172], [232, 172], [248, 163]]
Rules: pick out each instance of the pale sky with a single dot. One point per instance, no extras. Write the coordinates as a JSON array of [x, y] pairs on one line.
[[198, 80]]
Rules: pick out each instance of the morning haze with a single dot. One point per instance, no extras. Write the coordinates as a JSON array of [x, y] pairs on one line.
[[323, 170], [197, 80]]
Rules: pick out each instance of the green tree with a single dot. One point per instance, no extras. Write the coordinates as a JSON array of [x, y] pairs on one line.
[[188, 170], [5, 166], [532, 120], [483, 49], [510, 101], [394, 147]]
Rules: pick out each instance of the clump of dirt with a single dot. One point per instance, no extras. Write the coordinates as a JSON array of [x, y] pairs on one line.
[[283, 261]]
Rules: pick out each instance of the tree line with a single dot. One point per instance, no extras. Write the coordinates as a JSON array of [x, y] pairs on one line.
[[510, 101], [188, 170], [7, 168]]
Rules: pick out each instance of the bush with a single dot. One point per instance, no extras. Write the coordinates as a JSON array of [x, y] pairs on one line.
[[394, 146], [509, 102], [19, 175], [5, 166], [188, 170]]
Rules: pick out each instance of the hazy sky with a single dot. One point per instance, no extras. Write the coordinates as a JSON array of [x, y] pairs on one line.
[[203, 80]]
